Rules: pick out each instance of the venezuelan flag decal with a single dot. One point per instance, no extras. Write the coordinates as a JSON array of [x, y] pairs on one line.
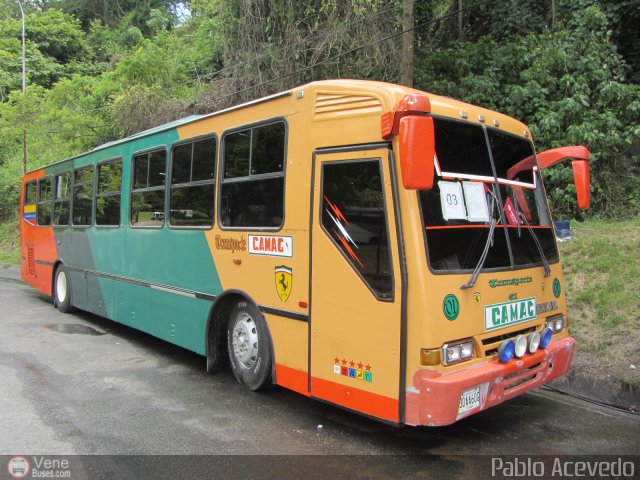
[[29, 214]]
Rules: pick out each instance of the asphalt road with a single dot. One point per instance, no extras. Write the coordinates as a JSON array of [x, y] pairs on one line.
[[77, 384]]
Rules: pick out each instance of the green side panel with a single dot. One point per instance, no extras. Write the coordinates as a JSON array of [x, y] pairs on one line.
[[180, 319], [162, 257], [107, 287], [133, 305]]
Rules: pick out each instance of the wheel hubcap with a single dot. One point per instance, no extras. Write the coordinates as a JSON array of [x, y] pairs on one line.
[[61, 287], [244, 339]]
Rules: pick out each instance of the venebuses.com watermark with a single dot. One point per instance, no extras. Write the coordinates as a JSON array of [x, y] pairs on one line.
[[38, 467], [560, 467]]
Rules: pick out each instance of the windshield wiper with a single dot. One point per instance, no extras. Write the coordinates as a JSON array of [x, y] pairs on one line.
[[487, 245], [545, 262]]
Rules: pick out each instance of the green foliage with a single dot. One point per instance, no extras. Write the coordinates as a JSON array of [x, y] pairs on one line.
[[9, 241], [100, 70], [568, 86], [602, 271], [112, 13]]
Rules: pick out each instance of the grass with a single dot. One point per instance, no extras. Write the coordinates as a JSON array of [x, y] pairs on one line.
[[9, 242], [602, 271]]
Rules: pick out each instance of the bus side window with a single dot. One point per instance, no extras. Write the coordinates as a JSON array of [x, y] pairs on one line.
[[108, 193], [82, 206], [30, 190], [62, 199], [354, 217], [252, 183], [44, 201], [147, 196], [192, 196]]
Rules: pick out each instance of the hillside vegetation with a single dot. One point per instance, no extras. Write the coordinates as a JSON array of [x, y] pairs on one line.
[[602, 273]]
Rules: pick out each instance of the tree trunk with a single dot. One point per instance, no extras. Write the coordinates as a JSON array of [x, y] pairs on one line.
[[406, 65], [460, 18]]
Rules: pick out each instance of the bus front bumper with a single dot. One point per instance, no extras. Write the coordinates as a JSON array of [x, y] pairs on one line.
[[437, 399]]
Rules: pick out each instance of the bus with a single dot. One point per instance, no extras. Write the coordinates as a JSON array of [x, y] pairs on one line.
[[368, 245]]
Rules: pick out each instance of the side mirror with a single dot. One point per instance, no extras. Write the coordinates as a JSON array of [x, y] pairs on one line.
[[579, 157], [410, 121], [417, 150]]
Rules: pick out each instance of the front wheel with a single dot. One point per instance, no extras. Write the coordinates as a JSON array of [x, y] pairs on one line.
[[249, 346], [62, 290]]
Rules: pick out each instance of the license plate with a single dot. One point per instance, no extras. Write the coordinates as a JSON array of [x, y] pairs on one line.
[[469, 400]]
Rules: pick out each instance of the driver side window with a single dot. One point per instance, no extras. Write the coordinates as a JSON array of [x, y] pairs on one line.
[[354, 217]]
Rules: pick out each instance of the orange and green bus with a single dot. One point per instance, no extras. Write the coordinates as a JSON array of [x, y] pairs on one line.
[[372, 246]]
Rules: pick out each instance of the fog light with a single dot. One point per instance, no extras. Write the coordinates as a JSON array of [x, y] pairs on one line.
[[533, 342], [505, 352], [545, 337], [521, 346]]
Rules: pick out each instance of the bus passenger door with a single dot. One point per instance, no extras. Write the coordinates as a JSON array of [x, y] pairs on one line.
[[355, 326]]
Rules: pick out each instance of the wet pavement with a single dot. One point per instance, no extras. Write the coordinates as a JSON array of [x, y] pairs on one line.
[[77, 384]]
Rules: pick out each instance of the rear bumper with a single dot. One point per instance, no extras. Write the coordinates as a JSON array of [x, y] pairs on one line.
[[434, 399]]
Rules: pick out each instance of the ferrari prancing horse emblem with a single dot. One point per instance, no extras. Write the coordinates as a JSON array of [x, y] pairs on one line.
[[476, 298], [284, 281]]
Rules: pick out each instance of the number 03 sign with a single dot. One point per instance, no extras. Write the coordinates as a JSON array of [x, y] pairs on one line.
[[452, 201]]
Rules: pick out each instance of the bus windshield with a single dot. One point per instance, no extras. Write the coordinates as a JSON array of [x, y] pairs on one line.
[[476, 186]]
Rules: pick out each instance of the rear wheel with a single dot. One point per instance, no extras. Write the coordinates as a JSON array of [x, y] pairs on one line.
[[249, 346], [62, 290]]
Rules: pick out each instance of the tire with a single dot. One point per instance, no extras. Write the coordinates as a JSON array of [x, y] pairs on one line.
[[62, 290], [249, 346]]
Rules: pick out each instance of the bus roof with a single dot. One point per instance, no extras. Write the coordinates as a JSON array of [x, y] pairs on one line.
[[393, 89]]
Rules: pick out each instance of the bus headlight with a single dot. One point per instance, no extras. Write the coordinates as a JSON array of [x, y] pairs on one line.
[[456, 352], [556, 322]]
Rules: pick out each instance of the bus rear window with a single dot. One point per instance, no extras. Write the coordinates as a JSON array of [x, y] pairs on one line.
[[30, 190]]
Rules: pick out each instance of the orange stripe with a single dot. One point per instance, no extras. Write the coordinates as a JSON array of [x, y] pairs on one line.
[[366, 402], [292, 379], [443, 227]]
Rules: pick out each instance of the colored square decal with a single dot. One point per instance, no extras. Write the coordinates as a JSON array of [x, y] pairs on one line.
[[352, 372], [368, 377], [336, 369], [344, 371], [360, 375]]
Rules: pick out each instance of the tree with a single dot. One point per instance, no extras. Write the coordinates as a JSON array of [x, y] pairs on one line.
[[568, 85]]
